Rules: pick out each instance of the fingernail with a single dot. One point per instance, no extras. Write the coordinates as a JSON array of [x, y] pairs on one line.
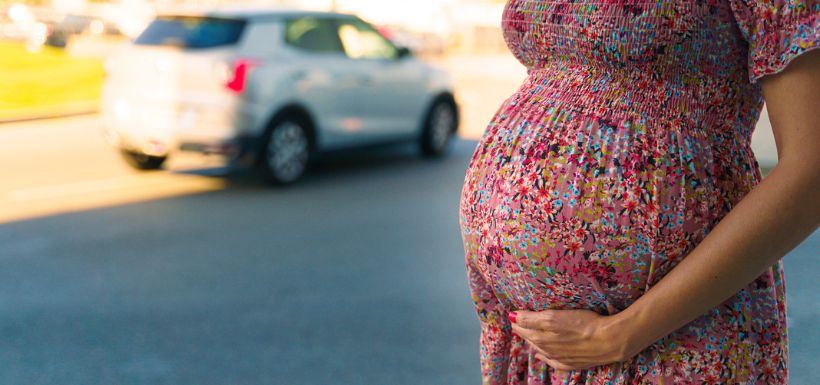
[[511, 316]]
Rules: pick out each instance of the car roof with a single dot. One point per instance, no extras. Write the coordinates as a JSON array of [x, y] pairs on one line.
[[248, 12]]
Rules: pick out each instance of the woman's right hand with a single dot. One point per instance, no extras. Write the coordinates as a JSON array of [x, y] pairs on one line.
[[573, 339]]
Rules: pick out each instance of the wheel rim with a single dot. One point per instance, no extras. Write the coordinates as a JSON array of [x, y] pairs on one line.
[[288, 151], [441, 125]]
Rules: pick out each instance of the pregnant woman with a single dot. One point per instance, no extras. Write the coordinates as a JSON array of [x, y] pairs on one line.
[[616, 226]]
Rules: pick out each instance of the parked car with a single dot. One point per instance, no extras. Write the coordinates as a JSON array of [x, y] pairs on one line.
[[270, 89], [61, 31]]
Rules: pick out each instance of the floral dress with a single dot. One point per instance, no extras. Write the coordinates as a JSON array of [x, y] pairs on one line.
[[628, 141]]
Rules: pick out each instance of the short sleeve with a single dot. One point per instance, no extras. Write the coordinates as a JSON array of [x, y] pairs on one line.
[[777, 31]]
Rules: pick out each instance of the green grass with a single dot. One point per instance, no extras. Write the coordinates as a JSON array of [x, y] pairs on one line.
[[45, 83]]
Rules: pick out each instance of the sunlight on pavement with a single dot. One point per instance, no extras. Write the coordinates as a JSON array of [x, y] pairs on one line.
[[29, 203], [59, 166]]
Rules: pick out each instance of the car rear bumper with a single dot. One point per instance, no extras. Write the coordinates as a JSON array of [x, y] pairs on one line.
[[241, 149], [159, 129]]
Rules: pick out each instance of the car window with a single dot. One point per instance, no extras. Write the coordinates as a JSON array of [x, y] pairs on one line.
[[191, 32], [313, 34], [362, 41]]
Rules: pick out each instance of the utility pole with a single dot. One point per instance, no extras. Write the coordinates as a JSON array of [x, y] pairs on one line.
[[333, 5]]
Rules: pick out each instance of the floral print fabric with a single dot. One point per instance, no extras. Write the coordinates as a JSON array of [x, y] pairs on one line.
[[626, 144]]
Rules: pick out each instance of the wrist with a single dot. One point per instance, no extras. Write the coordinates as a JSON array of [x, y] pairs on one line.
[[623, 330]]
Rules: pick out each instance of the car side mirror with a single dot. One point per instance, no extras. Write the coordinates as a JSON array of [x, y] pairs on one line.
[[403, 52]]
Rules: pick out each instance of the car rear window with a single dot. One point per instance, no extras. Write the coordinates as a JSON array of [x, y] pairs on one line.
[[192, 32]]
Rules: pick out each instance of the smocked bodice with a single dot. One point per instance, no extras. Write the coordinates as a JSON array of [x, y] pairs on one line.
[[671, 39], [683, 60]]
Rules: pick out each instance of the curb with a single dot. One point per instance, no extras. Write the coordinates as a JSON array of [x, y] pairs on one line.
[[52, 112], [47, 116]]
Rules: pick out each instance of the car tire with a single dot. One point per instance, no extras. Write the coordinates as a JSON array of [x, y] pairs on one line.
[[286, 150], [440, 126], [142, 161]]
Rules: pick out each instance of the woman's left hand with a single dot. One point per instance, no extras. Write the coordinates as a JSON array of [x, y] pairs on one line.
[[572, 339]]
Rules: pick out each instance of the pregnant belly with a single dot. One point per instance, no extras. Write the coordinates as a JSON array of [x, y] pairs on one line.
[[565, 210]]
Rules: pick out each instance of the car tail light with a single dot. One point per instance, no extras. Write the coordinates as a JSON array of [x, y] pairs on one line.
[[239, 75]]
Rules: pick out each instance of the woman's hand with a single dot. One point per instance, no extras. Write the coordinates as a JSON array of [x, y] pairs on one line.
[[572, 339]]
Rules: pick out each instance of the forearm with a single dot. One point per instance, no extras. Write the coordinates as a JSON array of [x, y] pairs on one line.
[[773, 218]]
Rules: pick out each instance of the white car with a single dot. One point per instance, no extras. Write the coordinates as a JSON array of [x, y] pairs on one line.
[[270, 88]]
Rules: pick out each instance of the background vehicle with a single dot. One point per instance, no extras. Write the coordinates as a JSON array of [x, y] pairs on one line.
[[71, 25], [270, 89]]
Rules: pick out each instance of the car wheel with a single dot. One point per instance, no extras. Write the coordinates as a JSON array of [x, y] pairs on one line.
[[439, 128], [286, 151], [142, 161]]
